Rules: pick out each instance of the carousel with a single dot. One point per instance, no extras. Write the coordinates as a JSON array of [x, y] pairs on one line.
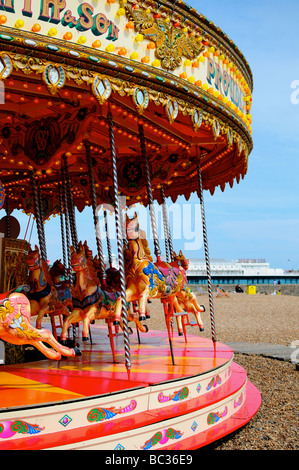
[[101, 103]]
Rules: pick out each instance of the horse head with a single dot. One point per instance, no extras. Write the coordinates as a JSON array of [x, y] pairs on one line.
[[132, 227], [33, 259], [57, 268], [78, 258], [81, 261], [181, 260]]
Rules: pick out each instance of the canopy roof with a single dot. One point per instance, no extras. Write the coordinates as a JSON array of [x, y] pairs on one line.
[[160, 64]]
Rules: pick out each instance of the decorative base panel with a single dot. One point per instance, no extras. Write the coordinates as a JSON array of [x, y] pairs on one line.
[[89, 402]]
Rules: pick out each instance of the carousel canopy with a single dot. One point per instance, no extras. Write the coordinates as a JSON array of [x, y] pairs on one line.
[[64, 65]]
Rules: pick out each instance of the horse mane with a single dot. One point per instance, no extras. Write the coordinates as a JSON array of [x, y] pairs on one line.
[[90, 270], [46, 271], [92, 275], [43, 265], [145, 246], [141, 241], [55, 268]]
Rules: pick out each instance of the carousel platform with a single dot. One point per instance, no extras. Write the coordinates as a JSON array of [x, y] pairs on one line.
[[89, 402]]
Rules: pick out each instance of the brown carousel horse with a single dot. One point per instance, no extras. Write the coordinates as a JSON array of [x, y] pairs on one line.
[[187, 299], [63, 287], [15, 327], [166, 281], [90, 301], [43, 295]]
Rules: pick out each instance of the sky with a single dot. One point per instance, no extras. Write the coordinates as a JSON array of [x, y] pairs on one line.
[[259, 217]]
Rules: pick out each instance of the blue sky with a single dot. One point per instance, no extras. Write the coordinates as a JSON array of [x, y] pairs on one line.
[[259, 217]]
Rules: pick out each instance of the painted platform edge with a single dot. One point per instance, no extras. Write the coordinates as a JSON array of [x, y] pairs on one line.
[[213, 387], [234, 423], [156, 443], [186, 432], [244, 414]]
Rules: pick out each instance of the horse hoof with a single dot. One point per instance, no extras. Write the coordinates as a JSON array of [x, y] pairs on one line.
[[130, 330], [203, 308], [181, 333], [148, 316], [85, 338], [77, 351], [116, 323], [142, 318], [92, 322], [146, 328], [201, 328]]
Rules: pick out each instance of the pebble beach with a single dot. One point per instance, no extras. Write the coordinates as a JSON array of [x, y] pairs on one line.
[[260, 318]]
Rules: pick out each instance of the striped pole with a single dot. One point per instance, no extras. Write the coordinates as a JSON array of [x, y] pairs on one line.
[[67, 223], [120, 245], [94, 210], [149, 193], [38, 218], [70, 202], [168, 239], [205, 240], [62, 231], [39, 197], [108, 238], [8, 217]]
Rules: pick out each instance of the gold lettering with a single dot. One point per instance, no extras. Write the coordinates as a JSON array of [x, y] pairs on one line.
[[56, 5], [7, 5], [27, 8]]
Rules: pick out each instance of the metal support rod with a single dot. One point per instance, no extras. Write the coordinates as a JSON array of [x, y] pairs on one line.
[[38, 219], [167, 234], [120, 245], [94, 210], [61, 212], [108, 238], [39, 196], [66, 220], [205, 239], [8, 216], [70, 203], [149, 193]]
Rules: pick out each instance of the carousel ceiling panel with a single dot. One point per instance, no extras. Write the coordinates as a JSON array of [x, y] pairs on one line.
[[155, 65]]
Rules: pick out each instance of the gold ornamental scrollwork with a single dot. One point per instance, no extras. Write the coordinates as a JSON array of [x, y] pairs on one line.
[[5, 66], [172, 42], [27, 65], [102, 87]]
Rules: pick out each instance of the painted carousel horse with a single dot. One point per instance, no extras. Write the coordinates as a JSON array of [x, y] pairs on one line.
[[63, 287], [147, 280], [186, 298], [90, 301], [15, 327], [43, 295]]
